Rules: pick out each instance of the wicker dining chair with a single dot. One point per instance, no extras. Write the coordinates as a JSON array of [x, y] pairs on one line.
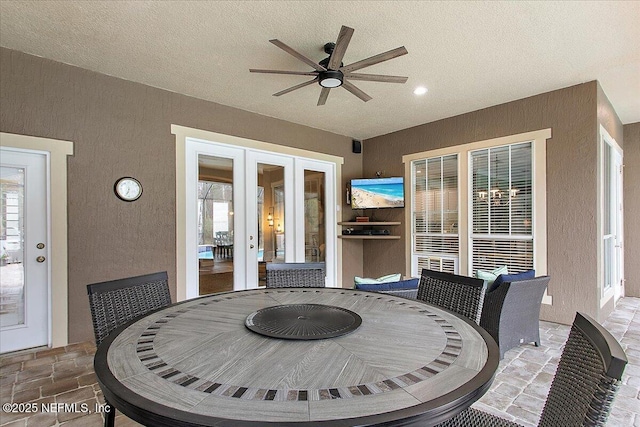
[[462, 294], [295, 275], [583, 389], [116, 302], [511, 312]]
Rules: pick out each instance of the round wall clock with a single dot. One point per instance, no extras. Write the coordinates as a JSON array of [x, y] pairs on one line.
[[128, 189]]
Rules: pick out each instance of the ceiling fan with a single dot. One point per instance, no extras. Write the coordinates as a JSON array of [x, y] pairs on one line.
[[331, 72]]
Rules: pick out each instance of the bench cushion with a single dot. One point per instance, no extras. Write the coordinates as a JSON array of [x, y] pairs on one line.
[[389, 286]]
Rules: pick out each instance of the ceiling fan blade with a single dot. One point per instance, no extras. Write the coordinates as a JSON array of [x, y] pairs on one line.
[[324, 93], [297, 73], [376, 78], [354, 90], [376, 59], [282, 92], [341, 47], [298, 55]]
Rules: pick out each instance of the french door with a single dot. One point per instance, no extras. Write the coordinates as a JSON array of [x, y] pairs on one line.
[[276, 211], [612, 217], [24, 270]]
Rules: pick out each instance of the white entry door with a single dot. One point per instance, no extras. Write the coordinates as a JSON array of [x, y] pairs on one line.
[[24, 246]]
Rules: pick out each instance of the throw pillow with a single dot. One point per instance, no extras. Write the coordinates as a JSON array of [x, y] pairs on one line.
[[491, 276], [384, 279], [525, 275]]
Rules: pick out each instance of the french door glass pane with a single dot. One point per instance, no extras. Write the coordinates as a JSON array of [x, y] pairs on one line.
[[12, 304], [314, 225], [215, 224], [272, 218]]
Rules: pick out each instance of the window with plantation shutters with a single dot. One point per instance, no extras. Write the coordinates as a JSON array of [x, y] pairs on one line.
[[479, 206], [435, 238], [501, 208]]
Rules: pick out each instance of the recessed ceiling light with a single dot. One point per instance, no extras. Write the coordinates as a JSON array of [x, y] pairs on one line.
[[420, 90]]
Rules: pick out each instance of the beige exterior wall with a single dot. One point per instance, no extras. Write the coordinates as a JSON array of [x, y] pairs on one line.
[[123, 128], [632, 208]]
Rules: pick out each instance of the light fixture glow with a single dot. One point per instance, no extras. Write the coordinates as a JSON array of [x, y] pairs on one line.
[[330, 82], [420, 90]]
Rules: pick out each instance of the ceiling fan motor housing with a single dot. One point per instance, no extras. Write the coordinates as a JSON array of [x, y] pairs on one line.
[[330, 78]]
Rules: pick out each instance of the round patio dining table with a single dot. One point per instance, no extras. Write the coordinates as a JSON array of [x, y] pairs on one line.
[[296, 357]]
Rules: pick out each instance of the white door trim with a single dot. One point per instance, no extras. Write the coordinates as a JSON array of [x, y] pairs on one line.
[[58, 150], [183, 133]]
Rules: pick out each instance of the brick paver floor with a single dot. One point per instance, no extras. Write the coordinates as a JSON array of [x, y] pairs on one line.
[[59, 376]]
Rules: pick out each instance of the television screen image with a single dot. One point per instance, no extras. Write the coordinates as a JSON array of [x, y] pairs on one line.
[[377, 193]]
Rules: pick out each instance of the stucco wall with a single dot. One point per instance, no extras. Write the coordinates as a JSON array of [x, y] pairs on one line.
[[123, 128], [571, 184], [632, 209]]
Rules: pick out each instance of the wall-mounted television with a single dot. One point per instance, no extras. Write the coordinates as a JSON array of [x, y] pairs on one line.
[[377, 193]]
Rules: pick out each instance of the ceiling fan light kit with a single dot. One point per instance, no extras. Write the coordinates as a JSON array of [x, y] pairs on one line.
[[331, 73], [330, 78]]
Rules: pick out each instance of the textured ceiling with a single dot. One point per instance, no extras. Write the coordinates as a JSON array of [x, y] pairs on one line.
[[470, 55]]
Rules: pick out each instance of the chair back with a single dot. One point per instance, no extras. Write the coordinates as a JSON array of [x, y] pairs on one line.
[[587, 378], [461, 294], [116, 302], [511, 311], [295, 275]]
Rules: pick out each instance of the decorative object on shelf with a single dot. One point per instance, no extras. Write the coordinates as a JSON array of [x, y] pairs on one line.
[[128, 189]]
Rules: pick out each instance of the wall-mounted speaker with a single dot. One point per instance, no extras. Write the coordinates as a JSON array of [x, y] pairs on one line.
[[357, 146]]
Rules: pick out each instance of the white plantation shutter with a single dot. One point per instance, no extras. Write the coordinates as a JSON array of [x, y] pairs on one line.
[[503, 213], [489, 254], [435, 214], [502, 208], [445, 264]]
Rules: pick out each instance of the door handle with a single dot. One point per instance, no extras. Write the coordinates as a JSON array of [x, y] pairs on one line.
[[250, 246], [40, 258]]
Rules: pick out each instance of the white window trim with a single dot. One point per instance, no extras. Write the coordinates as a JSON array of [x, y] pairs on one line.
[[183, 133], [539, 163]]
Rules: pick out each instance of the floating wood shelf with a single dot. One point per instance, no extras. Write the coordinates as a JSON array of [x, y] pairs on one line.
[[367, 224], [368, 237]]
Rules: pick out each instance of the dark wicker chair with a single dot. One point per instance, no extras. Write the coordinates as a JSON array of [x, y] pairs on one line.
[[583, 389], [116, 302], [511, 312], [295, 275], [462, 294]]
